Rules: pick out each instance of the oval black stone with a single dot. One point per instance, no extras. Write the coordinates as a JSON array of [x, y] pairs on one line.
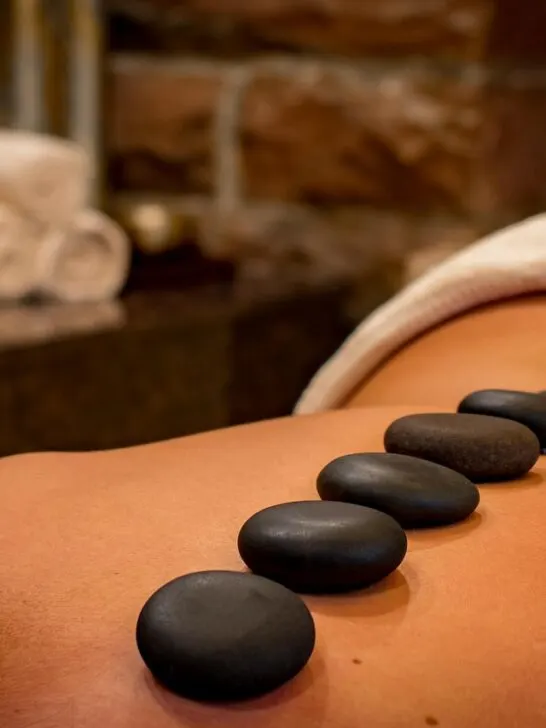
[[484, 449], [224, 636], [525, 407], [415, 492], [319, 546]]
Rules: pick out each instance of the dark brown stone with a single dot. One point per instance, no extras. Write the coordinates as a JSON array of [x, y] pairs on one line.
[[322, 546], [479, 447], [407, 139], [449, 28], [223, 636], [160, 127], [527, 408], [415, 492]]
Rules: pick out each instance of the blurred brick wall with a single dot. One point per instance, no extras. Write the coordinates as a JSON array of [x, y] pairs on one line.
[[334, 135]]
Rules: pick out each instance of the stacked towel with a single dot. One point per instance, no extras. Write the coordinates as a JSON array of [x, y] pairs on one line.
[[19, 244], [87, 262], [49, 243], [45, 178], [508, 263]]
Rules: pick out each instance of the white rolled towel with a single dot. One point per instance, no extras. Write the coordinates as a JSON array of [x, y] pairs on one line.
[[20, 242], [44, 177], [87, 262]]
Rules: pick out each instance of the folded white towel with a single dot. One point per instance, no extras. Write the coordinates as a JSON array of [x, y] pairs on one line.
[[88, 262], [505, 264], [46, 178], [20, 240]]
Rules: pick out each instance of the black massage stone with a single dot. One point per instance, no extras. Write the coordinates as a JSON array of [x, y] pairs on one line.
[[224, 636], [484, 449], [417, 493], [321, 547], [525, 407]]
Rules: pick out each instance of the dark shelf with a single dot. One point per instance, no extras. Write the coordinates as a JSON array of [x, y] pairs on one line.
[[160, 364]]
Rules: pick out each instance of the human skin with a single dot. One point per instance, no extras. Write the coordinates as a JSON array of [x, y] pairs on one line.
[[497, 346], [455, 637]]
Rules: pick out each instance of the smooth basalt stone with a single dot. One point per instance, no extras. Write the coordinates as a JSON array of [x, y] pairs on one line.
[[320, 546], [484, 449], [525, 407], [224, 636], [415, 492]]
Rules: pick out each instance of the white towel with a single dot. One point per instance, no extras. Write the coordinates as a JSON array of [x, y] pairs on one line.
[[20, 240], [46, 178], [88, 262], [505, 264]]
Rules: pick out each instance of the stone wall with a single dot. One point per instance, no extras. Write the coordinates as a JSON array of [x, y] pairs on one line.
[[328, 135]]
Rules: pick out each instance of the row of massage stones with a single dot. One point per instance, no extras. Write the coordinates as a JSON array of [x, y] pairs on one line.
[[225, 636]]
